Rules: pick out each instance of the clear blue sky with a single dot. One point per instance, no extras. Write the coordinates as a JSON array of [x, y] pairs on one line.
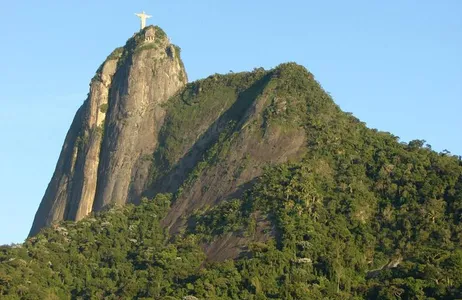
[[395, 64]]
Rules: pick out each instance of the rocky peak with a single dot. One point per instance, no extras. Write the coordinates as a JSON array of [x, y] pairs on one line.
[[115, 130]]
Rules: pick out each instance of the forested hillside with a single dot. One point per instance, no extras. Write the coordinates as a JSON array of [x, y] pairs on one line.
[[357, 215]]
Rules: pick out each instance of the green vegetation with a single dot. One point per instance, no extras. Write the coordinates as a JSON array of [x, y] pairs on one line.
[[361, 216], [82, 140], [103, 108], [160, 33], [146, 47], [217, 99], [136, 44], [223, 218], [116, 54], [182, 76], [212, 156], [100, 130], [108, 256]]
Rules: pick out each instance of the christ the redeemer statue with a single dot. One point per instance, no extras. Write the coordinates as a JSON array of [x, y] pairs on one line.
[[143, 16]]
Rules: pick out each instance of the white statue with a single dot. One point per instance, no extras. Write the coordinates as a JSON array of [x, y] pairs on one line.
[[143, 16]]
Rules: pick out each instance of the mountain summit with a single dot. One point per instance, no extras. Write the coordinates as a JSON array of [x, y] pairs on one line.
[[103, 159]]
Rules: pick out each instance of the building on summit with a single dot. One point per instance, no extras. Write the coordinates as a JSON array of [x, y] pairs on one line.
[[150, 34]]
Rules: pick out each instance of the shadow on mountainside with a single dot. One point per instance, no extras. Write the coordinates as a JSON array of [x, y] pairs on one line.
[[172, 181]]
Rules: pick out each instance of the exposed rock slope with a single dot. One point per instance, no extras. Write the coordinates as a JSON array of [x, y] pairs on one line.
[[103, 159]]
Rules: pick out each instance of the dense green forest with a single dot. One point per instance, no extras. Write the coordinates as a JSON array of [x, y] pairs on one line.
[[361, 216]]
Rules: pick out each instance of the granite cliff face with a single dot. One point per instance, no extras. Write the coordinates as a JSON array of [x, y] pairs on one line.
[[103, 159]]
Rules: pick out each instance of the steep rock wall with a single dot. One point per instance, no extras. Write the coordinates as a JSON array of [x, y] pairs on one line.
[[142, 84], [103, 159]]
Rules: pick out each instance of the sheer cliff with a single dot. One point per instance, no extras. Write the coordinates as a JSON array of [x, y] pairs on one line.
[[103, 159]]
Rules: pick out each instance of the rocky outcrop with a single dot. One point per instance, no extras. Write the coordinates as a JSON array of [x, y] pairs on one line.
[[105, 156], [134, 119]]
